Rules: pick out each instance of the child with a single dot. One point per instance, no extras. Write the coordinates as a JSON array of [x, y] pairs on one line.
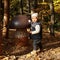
[[35, 33]]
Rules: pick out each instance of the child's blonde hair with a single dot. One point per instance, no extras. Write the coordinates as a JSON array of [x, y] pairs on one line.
[[34, 15]]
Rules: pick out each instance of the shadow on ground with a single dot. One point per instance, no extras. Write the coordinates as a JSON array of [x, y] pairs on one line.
[[48, 42]]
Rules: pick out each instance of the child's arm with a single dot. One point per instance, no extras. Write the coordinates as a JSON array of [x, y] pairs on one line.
[[37, 29]]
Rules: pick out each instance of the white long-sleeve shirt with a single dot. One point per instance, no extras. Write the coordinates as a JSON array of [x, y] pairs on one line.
[[37, 29]]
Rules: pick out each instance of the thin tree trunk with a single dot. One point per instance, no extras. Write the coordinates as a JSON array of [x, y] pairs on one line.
[[0, 10], [35, 4], [52, 18], [21, 3], [29, 7], [0, 27], [6, 18]]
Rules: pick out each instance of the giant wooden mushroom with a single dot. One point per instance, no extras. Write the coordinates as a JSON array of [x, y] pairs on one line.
[[20, 23]]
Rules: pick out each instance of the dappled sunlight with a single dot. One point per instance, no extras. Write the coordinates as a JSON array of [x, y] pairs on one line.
[[15, 41], [51, 47]]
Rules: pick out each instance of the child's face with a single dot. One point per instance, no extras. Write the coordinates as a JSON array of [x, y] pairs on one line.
[[34, 19]]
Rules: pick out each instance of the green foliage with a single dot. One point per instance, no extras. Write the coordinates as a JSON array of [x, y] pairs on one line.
[[14, 7], [57, 21]]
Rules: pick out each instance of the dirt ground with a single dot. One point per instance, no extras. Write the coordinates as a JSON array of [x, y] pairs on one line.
[[51, 50]]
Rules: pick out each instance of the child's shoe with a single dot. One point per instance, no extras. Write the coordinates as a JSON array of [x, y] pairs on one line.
[[33, 52]]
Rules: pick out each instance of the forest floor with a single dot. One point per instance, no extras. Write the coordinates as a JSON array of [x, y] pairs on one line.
[[51, 50]]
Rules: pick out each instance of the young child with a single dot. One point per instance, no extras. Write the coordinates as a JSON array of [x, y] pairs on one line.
[[35, 33]]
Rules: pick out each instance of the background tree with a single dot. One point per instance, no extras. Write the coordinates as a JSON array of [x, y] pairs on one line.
[[5, 18], [52, 18], [15, 7], [0, 24]]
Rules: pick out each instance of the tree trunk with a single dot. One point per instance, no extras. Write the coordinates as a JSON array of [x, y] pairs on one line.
[[35, 4], [21, 3], [29, 6], [6, 18], [1, 10], [1, 26], [52, 18]]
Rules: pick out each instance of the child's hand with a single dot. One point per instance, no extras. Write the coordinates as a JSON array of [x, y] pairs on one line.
[[28, 30]]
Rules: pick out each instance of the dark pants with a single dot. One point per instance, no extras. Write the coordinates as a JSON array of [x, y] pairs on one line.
[[37, 44]]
